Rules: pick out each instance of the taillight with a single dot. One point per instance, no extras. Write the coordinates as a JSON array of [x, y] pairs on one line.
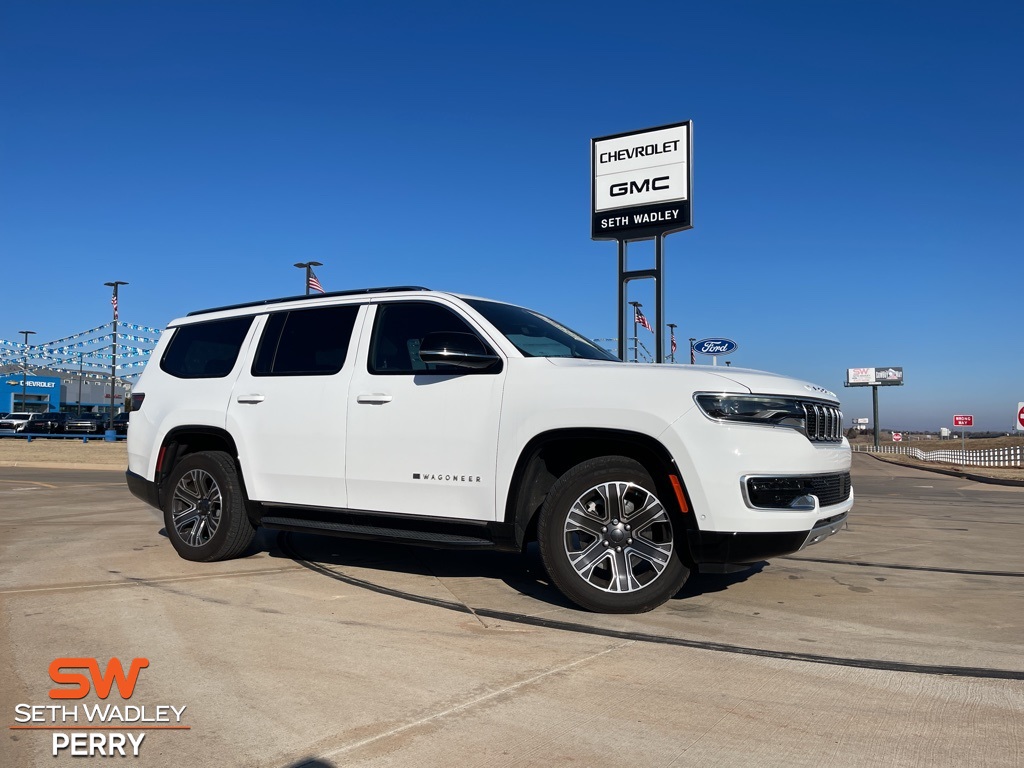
[[137, 398]]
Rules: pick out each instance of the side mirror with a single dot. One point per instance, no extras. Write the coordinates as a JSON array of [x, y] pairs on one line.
[[460, 349]]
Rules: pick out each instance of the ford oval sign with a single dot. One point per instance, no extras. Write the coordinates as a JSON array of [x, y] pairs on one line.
[[715, 346]]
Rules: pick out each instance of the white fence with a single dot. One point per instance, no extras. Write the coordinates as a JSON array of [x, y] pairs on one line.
[[992, 457]]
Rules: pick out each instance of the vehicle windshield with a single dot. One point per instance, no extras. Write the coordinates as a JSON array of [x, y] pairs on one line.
[[537, 336], [24, 416]]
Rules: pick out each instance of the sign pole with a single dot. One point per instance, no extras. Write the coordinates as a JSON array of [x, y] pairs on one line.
[[874, 404], [622, 302], [659, 290]]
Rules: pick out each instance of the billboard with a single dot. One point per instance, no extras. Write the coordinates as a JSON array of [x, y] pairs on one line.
[[874, 377], [640, 183]]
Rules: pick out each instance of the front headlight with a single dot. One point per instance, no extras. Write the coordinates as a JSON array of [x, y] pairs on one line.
[[754, 409]]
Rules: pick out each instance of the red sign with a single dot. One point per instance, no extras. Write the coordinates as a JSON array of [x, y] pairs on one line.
[[897, 437], [963, 421], [1020, 416]]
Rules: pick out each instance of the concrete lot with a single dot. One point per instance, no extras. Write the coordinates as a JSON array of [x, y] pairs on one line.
[[897, 642]]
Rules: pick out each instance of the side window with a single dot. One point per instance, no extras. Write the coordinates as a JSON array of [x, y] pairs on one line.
[[400, 328], [205, 350], [305, 342]]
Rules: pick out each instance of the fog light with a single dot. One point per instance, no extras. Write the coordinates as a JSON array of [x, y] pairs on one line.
[[803, 502]]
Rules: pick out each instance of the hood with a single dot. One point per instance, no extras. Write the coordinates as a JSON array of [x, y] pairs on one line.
[[707, 378]]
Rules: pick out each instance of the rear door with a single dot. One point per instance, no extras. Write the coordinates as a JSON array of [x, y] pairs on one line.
[[288, 408]]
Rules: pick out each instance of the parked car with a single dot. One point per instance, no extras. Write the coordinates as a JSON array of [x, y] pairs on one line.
[[453, 421], [46, 423], [121, 423], [13, 423], [87, 423]]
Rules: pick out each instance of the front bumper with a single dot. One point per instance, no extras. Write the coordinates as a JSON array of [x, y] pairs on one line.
[[740, 547], [717, 462]]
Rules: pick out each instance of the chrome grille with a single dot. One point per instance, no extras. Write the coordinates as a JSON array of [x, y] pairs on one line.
[[824, 422]]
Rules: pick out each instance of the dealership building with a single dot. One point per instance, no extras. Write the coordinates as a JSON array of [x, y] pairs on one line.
[[45, 390]]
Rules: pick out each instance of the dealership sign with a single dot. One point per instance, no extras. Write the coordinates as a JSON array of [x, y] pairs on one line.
[[640, 183], [715, 346], [874, 377]]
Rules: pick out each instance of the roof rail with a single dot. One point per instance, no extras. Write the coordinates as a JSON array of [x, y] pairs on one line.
[[352, 292]]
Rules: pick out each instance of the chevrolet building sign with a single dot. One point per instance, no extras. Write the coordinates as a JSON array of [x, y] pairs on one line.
[[640, 184]]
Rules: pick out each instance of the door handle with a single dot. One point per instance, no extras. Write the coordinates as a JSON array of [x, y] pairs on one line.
[[374, 399], [251, 398]]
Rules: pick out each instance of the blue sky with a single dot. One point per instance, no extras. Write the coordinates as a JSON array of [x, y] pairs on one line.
[[857, 170]]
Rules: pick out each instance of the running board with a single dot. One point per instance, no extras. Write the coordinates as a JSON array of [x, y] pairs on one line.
[[378, 533]]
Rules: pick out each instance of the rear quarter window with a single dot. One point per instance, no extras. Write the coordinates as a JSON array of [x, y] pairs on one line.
[[205, 350]]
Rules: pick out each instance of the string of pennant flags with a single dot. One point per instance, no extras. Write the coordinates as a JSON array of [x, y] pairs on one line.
[[81, 353]]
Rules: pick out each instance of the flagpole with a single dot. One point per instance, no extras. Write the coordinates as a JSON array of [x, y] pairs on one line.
[[672, 341], [636, 339], [113, 356]]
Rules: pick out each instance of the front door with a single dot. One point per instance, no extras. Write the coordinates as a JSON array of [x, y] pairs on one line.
[[422, 438]]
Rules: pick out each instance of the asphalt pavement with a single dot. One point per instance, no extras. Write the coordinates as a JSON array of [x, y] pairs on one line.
[[897, 642]]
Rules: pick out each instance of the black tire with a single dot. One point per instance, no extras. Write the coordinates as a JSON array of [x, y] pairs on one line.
[[607, 541], [204, 508]]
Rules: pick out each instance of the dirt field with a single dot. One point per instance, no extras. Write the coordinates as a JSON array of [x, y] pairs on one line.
[[72, 452], [952, 445], [980, 444]]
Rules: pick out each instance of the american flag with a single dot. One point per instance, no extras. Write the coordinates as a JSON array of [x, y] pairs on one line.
[[640, 320], [113, 302], [673, 337], [314, 284]]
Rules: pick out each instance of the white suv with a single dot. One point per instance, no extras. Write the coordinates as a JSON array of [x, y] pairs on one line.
[[416, 416]]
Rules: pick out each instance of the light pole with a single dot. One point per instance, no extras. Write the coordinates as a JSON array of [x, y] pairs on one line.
[[24, 369], [308, 266], [113, 352], [672, 342], [81, 363]]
